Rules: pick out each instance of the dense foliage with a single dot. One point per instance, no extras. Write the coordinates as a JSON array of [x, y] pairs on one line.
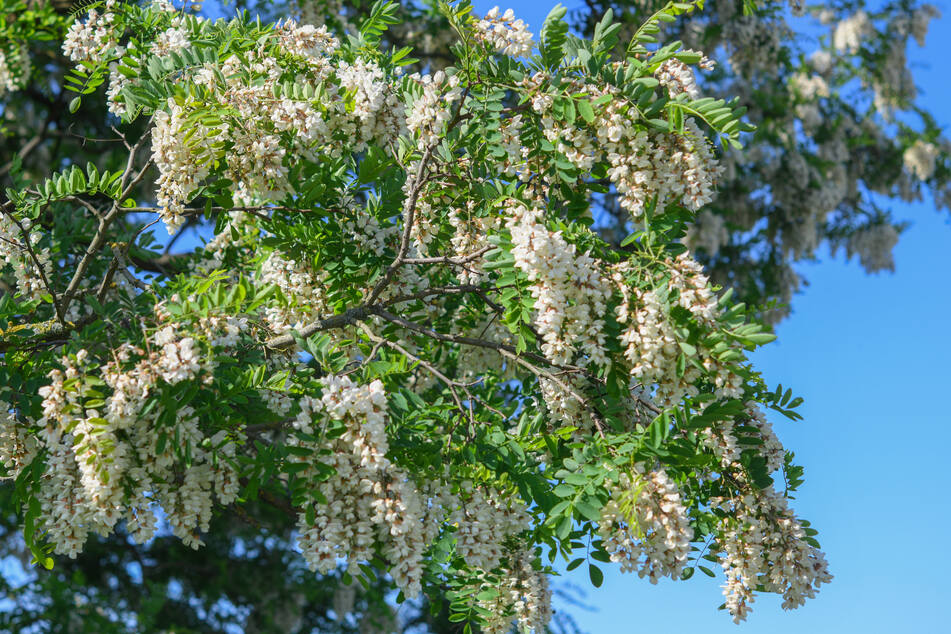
[[840, 130], [405, 349]]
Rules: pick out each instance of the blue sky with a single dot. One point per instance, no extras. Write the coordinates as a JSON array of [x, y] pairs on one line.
[[870, 354]]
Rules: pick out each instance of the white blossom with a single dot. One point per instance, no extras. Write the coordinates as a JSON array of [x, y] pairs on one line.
[[920, 158], [93, 39], [571, 294], [645, 525], [851, 31], [505, 33]]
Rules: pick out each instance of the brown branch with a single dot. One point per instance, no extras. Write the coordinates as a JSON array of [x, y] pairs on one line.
[[346, 318], [48, 331], [440, 290], [99, 239], [409, 214], [541, 372], [165, 264], [448, 260], [352, 316], [469, 341], [254, 209], [451, 384], [508, 352]]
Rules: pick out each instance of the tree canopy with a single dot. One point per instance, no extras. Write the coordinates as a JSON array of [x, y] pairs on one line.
[[453, 323]]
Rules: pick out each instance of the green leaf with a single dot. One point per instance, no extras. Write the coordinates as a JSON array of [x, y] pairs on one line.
[[553, 37], [585, 110], [597, 577], [588, 511], [760, 338]]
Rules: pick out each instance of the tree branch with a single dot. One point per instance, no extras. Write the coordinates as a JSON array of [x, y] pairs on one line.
[[99, 239], [47, 331]]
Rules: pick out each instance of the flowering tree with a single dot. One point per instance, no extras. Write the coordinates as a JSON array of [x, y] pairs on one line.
[[403, 338]]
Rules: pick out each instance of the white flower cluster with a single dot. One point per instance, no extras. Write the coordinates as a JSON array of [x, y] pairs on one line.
[[722, 441], [15, 69], [425, 225], [470, 234], [369, 500], [575, 142], [301, 286], [162, 6], [764, 544], [920, 21], [851, 31], [366, 231], [571, 294], [354, 101], [893, 84], [223, 332], [521, 596], [433, 109], [645, 526], [687, 276], [770, 448], [920, 158], [652, 346], [708, 233], [485, 520], [655, 167], [515, 150], [82, 491], [117, 81], [171, 40], [311, 42], [129, 389], [564, 405], [179, 360], [506, 34], [18, 446], [29, 279], [426, 120], [874, 245], [377, 108], [104, 461], [93, 39], [181, 165], [809, 87], [678, 78], [256, 165], [8, 81]]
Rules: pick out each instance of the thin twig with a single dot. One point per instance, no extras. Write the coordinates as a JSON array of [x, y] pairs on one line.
[[541, 372], [425, 364], [57, 304], [126, 186], [409, 214], [450, 260]]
